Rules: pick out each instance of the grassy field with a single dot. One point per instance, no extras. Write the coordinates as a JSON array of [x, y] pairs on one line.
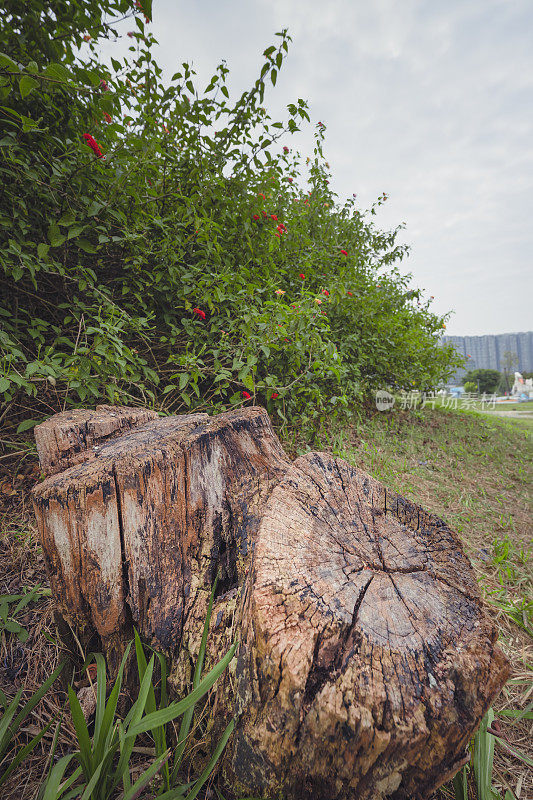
[[474, 470]]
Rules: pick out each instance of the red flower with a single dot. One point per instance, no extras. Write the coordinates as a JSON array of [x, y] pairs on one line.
[[274, 395], [108, 117], [87, 38], [344, 252], [285, 149], [325, 291], [93, 144], [103, 86], [131, 34], [246, 395], [290, 180], [273, 216], [199, 313], [302, 276], [350, 294], [261, 195], [264, 213], [277, 234], [256, 217]]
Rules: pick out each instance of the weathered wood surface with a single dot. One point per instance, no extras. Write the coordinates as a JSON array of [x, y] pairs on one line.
[[137, 533], [365, 659], [75, 436]]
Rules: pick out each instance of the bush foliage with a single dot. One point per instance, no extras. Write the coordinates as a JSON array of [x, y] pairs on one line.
[[159, 244]]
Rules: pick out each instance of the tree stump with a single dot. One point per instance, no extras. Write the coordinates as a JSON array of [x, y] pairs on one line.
[[365, 660]]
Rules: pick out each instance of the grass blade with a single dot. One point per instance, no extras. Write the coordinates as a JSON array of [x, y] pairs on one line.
[[82, 733], [126, 778], [101, 686], [151, 705], [516, 752], [174, 710], [6, 734], [188, 715], [106, 731], [460, 785], [51, 791], [212, 761], [25, 751], [484, 757], [129, 740], [144, 779], [92, 783], [37, 697]]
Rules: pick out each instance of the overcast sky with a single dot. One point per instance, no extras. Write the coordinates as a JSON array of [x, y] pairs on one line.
[[428, 100]]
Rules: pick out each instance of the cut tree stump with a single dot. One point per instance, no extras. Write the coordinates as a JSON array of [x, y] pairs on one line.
[[365, 661]]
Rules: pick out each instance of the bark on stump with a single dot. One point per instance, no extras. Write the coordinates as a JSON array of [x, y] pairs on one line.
[[365, 659]]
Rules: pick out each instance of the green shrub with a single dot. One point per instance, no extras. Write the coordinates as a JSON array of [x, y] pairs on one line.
[[168, 270]]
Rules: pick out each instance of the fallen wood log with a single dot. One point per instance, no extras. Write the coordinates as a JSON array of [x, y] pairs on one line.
[[365, 660]]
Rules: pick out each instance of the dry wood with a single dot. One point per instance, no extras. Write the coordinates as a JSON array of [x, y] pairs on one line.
[[137, 533], [74, 436], [365, 662]]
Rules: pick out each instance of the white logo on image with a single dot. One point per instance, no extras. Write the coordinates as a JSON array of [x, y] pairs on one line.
[[384, 400]]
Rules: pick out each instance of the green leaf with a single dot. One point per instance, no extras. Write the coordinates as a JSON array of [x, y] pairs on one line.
[[55, 236], [68, 218], [86, 245], [460, 785], [42, 250], [4, 384], [58, 72], [248, 382], [27, 85], [26, 425], [7, 63]]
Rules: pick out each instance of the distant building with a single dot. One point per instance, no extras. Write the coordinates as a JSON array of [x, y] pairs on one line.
[[487, 352]]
